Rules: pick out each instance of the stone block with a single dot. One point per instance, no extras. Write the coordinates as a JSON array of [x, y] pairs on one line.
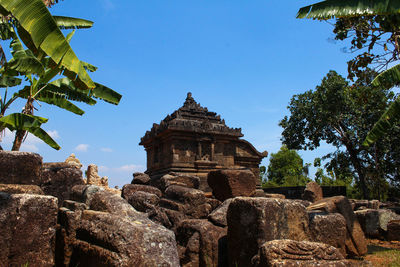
[[27, 229], [59, 178], [202, 243], [129, 189], [182, 180], [312, 192], [21, 189], [143, 201], [356, 244], [20, 168], [232, 183], [218, 216], [329, 229], [254, 221], [299, 253], [140, 178], [393, 230], [374, 221], [93, 238]]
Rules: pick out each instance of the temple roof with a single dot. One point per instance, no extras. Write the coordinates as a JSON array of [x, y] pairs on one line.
[[192, 117]]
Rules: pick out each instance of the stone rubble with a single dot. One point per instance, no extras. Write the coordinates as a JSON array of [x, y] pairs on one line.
[[170, 222]]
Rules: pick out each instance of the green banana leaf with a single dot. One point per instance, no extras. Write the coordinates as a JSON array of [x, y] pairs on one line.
[[348, 8], [72, 23], [29, 123], [23, 61], [100, 91], [104, 93], [386, 121], [89, 67], [59, 101], [65, 87], [34, 17], [388, 78], [9, 81], [52, 98]]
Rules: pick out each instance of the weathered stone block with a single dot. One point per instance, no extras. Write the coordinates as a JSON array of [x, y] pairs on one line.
[[140, 178], [143, 201], [374, 222], [59, 178], [129, 189], [20, 168], [312, 192], [202, 243], [232, 183], [27, 229], [218, 216], [393, 229], [185, 195], [109, 202], [253, 221], [93, 238], [21, 189], [356, 244], [182, 180], [299, 253], [329, 229]]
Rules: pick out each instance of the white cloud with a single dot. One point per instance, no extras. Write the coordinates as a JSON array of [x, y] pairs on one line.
[[106, 149], [130, 168], [54, 134], [82, 147]]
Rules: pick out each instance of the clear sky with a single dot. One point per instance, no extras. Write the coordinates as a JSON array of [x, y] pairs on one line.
[[241, 59]]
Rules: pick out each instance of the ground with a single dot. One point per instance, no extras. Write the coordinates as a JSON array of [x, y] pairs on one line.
[[383, 253]]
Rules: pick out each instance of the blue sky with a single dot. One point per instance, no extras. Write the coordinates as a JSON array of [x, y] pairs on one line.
[[241, 59]]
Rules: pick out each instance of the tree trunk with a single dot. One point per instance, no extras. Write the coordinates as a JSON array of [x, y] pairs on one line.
[[19, 135], [357, 166]]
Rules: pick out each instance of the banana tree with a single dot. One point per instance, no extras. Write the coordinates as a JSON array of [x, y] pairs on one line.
[[40, 32], [41, 72], [389, 78]]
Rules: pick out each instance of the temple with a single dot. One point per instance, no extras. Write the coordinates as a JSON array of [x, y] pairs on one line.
[[195, 141]]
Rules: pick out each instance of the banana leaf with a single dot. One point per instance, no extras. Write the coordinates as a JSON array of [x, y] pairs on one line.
[[9, 81], [34, 17], [29, 123], [348, 8], [72, 23], [386, 121]]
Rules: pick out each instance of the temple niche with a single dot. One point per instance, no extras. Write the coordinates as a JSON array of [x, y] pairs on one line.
[[195, 141]]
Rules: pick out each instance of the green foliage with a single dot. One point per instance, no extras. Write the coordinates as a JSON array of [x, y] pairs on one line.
[[48, 56], [348, 8], [17, 121], [373, 28], [341, 114], [286, 169], [41, 34], [337, 173]]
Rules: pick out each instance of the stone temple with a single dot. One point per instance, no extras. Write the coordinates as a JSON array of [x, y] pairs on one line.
[[195, 141]]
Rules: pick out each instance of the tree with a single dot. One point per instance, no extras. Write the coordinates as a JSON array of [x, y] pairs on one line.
[[40, 64], [40, 32], [286, 169], [341, 114], [373, 29]]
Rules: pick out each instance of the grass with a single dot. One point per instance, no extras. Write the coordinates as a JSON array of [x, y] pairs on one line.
[[383, 257]]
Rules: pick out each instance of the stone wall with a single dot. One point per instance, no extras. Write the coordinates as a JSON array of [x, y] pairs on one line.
[[295, 192]]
